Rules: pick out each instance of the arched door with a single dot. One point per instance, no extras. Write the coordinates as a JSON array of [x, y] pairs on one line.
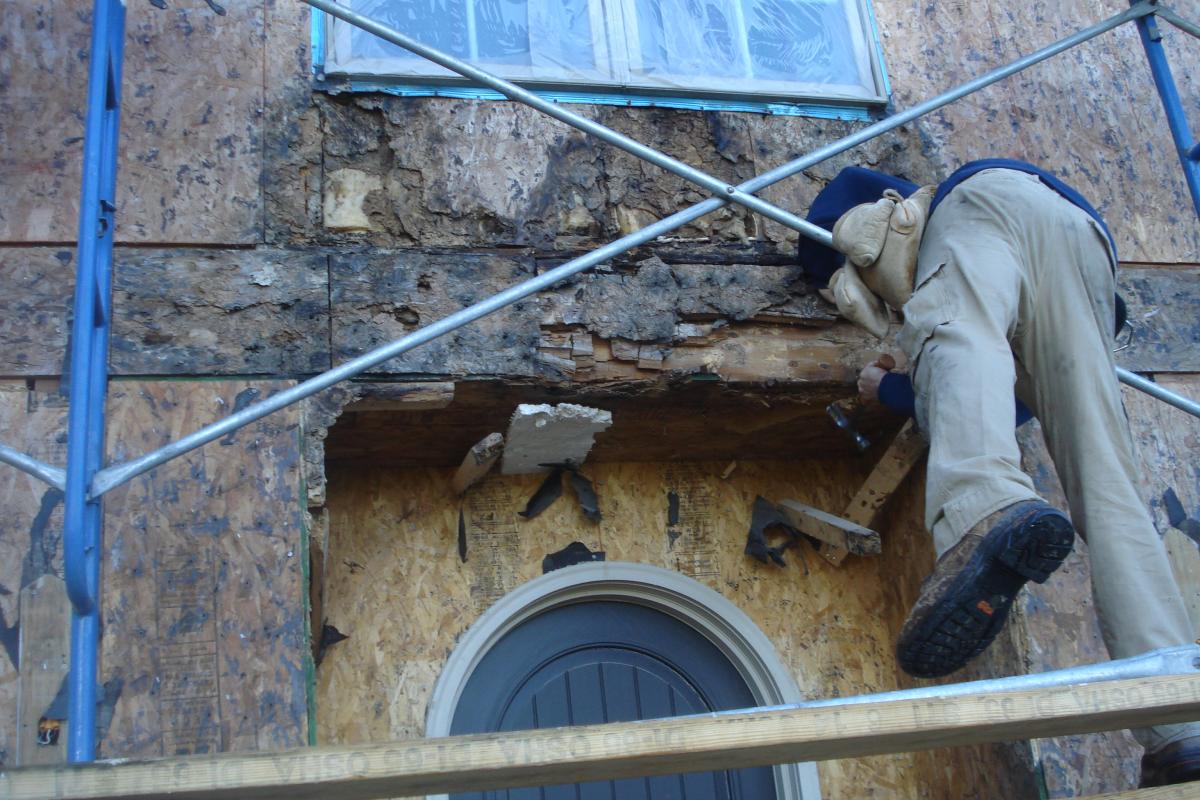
[[607, 661]]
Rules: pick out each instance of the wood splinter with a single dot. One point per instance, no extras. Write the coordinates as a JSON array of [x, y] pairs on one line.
[[830, 529], [478, 462], [905, 451]]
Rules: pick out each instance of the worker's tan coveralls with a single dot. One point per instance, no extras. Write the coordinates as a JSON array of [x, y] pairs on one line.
[[1010, 270]]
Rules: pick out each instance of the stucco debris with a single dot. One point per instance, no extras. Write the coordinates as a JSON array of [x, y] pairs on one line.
[[546, 434]]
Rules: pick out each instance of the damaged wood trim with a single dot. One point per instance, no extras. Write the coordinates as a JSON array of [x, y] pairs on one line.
[[893, 467], [478, 462], [843, 533], [728, 740]]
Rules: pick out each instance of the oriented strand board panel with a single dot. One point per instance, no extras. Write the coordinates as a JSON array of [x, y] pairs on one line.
[[1163, 309], [34, 422], [204, 611], [378, 298], [34, 325], [176, 312], [220, 312], [1090, 115], [1168, 440], [399, 589], [191, 124]]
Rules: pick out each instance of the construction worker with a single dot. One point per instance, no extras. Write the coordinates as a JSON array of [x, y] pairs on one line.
[[1005, 279]]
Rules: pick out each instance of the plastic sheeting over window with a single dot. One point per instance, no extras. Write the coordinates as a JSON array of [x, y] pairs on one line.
[[811, 49]]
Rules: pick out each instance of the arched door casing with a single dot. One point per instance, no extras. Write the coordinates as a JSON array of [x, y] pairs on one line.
[[717, 619]]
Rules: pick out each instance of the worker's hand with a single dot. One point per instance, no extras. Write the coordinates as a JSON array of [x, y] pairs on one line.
[[871, 376]]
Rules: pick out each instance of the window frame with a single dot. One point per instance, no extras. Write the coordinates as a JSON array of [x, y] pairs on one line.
[[770, 99]]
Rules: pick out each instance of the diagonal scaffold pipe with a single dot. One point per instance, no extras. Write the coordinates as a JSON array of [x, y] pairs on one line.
[[118, 474]]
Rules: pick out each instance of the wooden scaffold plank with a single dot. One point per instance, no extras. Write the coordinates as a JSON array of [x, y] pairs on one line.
[[564, 755]]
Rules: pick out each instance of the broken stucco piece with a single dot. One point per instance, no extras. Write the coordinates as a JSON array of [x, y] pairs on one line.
[[546, 434], [346, 191]]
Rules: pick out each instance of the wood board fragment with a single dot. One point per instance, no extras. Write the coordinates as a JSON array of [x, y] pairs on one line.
[[835, 531], [889, 473], [45, 662], [478, 461], [1166, 440], [416, 396], [34, 421]]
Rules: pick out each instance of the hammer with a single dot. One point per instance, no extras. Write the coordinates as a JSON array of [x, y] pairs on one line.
[[842, 412]]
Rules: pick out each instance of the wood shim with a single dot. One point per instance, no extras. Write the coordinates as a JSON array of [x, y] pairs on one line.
[[45, 656], [728, 740], [478, 462], [831, 530], [897, 461]]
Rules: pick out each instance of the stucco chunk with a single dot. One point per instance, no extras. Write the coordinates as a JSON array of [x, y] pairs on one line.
[[546, 434], [346, 191]]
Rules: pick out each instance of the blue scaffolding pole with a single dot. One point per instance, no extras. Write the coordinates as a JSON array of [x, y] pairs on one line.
[[86, 479], [1187, 147], [88, 371]]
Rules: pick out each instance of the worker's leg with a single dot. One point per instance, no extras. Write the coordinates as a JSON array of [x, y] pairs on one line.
[[956, 331], [1065, 345]]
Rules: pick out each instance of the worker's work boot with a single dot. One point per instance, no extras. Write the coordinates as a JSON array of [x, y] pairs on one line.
[[965, 600], [1178, 762]]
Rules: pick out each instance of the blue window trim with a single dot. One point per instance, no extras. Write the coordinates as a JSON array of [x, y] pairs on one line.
[[852, 113]]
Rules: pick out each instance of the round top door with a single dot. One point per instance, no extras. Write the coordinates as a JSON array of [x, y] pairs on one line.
[[607, 661]]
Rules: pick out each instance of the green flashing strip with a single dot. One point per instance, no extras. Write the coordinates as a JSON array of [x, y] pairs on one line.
[[817, 110]]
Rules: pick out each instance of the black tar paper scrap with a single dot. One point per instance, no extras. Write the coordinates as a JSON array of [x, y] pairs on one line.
[[574, 553], [546, 494], [329, 637], [1178, 517], [551, 489], [462, 537], [765, 515]]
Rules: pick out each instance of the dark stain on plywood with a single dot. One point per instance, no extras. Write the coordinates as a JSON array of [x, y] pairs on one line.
[[207, 312], [1163, 309], [203, 613], [34, 309], [379, 298], [191, 127]]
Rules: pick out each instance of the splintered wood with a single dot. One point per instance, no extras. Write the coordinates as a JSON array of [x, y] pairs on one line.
[[902, 455], [45, 656], [830, 529], [478, 461]]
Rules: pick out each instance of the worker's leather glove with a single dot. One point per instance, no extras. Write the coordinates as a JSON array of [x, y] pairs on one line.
[[857, 303], [882, 239]]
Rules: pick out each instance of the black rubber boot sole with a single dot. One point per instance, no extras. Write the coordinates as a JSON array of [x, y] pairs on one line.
[[975, 604]]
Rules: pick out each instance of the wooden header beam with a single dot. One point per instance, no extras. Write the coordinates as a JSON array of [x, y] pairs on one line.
[[621, 750]]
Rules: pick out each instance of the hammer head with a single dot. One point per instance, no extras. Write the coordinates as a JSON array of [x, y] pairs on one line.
[[842, 420]]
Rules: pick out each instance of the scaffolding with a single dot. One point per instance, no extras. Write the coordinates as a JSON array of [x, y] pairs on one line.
[[86, 478]]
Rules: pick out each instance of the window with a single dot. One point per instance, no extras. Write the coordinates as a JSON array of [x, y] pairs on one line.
[[793, 50]]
